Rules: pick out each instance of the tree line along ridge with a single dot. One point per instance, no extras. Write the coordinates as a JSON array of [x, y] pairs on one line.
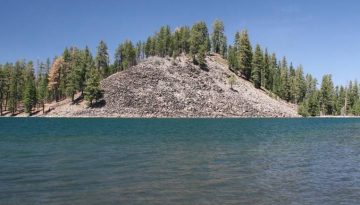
[[78, 71]]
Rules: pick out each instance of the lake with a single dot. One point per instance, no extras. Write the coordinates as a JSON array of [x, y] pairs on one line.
[[179, 161]]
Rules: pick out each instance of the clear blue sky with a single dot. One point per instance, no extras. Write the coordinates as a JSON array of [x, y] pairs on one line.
[[323, 36]]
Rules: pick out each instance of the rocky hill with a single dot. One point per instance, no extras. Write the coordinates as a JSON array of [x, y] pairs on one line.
[[164, 87]]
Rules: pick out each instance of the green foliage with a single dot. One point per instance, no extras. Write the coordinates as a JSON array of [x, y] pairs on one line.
[[29, 97], [327, 95], [76, 71], [284, 81], [218, 38], [313, 104], [102, 59], [199, 42], [298, 86], [163, 42], [71, 86], [3, 87], [232, 58], [244, 54], [43, 93], [202, 55], [257, 67], [125, 56], [303, 109], [16, 86], [150, 47], [92, 91], [265, 71], [140, 51], [355, 110]]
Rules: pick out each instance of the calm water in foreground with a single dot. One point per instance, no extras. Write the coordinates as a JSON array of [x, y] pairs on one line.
[[169, 161]]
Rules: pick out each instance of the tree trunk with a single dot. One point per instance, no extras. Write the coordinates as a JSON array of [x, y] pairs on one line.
[[43, 107]]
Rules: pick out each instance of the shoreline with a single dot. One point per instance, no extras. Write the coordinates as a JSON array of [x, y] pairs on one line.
[[180, 117]]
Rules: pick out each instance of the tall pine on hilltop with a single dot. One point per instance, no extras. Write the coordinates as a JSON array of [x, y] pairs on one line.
[[199, 42], [125, 56], [102, 59], [218, 38]]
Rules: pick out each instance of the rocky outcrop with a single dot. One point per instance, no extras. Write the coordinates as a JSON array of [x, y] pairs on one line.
[[164, 87]]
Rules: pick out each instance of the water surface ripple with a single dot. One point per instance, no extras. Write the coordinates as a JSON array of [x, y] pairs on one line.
[[179, 161]]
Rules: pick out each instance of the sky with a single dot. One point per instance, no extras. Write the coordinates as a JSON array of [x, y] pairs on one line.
[[323, 36]]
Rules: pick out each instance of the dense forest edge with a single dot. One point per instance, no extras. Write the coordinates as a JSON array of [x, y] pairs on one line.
[[76, 74]]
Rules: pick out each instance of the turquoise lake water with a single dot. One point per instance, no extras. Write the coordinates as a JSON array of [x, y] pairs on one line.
[[179, 161]]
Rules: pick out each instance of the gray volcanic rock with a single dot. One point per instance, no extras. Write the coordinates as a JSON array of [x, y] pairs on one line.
[[164, 87]]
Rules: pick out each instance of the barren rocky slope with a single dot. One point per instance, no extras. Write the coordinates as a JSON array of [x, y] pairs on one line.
[[164, 87]]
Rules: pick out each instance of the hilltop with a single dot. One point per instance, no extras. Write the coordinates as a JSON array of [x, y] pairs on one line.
[[167, 87]]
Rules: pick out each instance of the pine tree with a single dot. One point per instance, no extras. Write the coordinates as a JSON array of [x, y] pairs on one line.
[[125, 56], [313, 104], [341, 100], [163, 42], [29, 97], [76, 73], [285, 80], [185, 39], [298, 85], [265, 72], [148, 49], [199, 42], [140, 51], [55, 77], [86, 63], [232, 58], [273, 80], [129, 55], [16, 86], [257, 67], [6, 72], [303, 109], [102, 59], [326, 95], [245, 55], [218, 38], [71, 86], [176, 43], [13, 92], [43, 90], [353, 94], [237, 41], [92, 90], [311, 83], [2, 89]]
